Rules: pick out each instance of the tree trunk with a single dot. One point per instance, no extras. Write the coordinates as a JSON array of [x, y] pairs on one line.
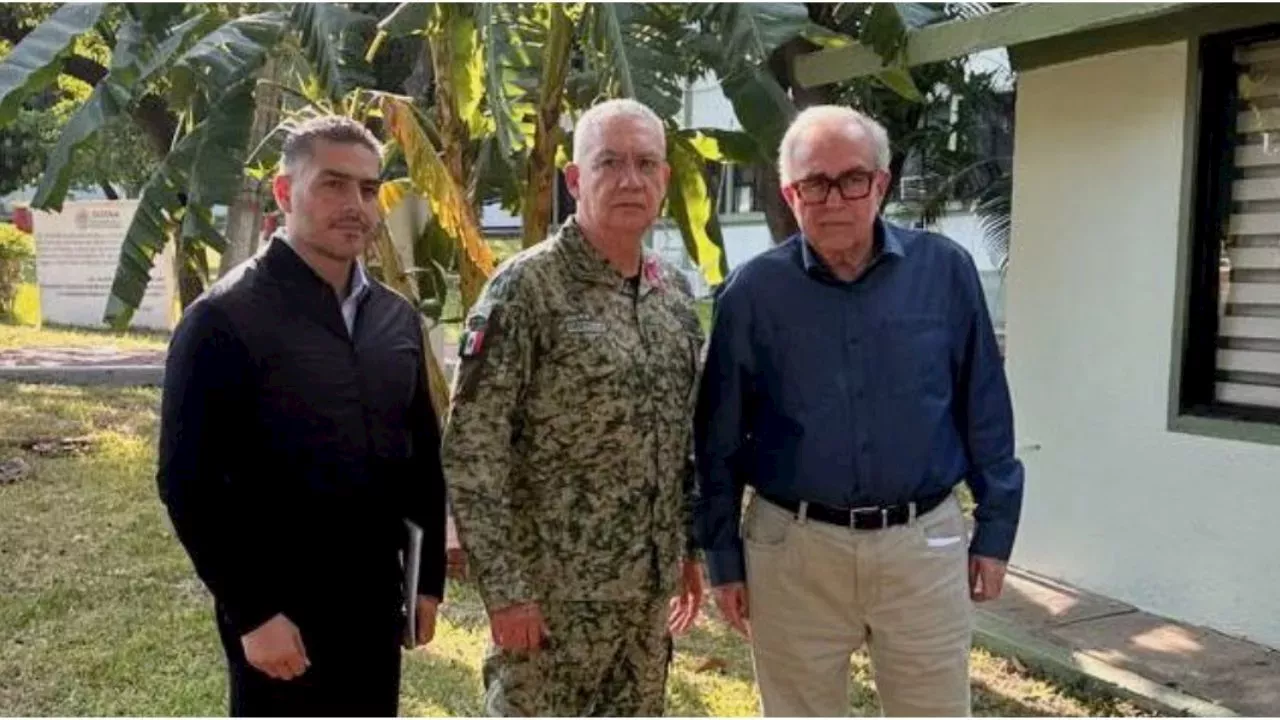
[[780, 219], [777, 215], [453, 129], [456, 139], [540, 182], [244, 217], [418, 84], [190, 283]]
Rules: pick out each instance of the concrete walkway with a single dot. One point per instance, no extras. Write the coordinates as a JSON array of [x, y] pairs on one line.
[[1165, 665], [102, 365], [78, 356], [106, 365]]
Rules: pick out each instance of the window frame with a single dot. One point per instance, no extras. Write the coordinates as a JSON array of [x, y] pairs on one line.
[[1214, 105]]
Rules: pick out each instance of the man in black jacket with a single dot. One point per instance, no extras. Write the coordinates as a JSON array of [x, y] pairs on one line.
[[296, 437]]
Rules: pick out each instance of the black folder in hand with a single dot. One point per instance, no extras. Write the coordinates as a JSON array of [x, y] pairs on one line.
[[412, 561]]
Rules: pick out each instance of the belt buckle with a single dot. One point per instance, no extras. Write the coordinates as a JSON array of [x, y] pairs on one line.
[[883, 511]]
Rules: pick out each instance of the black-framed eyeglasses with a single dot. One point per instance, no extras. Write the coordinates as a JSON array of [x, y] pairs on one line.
[[853, 185]]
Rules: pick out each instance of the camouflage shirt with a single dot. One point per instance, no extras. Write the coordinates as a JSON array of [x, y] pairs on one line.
[[568, 445]]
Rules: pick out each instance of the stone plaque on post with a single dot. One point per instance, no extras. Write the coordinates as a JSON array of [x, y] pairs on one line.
[[77, 251]]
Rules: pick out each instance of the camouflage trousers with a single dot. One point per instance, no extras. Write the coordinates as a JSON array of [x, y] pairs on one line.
[[602, 659]]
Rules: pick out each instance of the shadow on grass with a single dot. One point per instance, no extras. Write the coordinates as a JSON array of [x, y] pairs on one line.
[[49, 412]]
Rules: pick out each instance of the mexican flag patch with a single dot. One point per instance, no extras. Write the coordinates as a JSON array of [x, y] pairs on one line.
[[472, 343]]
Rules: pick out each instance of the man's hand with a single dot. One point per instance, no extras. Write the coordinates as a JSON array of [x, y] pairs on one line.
[[519, 628], [732, 601], [986, 578], [275, 648], [426, 619], [685, 606]]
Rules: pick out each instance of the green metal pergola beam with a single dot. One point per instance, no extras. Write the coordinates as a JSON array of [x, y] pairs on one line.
[[1015, 25]]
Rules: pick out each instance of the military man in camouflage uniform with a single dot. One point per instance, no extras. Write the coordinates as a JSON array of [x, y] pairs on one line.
[[568, 444]]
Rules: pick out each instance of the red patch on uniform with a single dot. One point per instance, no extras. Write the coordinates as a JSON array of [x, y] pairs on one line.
[[652, 272]]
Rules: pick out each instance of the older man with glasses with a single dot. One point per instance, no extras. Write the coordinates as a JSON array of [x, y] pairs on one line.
[[853, 380]]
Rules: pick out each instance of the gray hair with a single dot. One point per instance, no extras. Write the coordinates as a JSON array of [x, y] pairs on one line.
[[299, 145], [832, 115], [592, 120]]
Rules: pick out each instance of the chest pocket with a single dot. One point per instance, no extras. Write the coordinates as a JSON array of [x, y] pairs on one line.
[[585, 355], [914, 354]]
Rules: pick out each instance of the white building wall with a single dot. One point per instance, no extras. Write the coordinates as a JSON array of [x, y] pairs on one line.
[[1177, 524]]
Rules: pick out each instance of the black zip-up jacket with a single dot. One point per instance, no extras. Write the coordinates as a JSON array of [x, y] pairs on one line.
[[291, 451]]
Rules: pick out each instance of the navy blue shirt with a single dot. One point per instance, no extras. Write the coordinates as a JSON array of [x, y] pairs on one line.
[[883, 390]]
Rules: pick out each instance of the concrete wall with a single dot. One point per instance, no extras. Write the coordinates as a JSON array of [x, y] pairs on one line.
[[1178, 524]]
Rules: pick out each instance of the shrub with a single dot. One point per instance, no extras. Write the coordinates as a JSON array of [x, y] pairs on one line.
[[17, 251]]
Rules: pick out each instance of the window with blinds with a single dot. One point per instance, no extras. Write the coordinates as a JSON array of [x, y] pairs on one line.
[[1232, 350]]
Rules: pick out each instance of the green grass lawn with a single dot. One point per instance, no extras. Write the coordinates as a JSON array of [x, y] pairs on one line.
[[25, 336], [100, 613], [25, 331]]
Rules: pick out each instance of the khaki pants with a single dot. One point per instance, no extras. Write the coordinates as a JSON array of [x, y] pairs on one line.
[[817, 592]]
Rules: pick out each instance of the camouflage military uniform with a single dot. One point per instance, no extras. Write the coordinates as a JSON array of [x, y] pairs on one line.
[[605, 659], [568, 457]]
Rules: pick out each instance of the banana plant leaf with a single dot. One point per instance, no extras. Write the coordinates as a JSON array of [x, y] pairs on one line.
[[165, 198], [691, 204], [36, 60]]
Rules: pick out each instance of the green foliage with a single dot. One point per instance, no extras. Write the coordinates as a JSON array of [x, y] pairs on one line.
[[333, 39], [737, 41], [630, 52], [136, 58], [121, 161], [690, 204], [483, 96], [942, 117], [38, 58], [15, 244], [17, 250], [211, 147]]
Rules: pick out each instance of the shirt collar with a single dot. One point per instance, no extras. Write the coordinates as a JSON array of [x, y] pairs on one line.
[[359, 284], [283, 253], [586, 262], [886, 240]]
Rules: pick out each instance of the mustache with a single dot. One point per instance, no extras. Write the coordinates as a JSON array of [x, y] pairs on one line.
[[351, 220]]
